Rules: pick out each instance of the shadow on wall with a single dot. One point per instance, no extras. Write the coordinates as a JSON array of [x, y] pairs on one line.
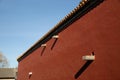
[[29, 76], [83, 68], [54, 43], [43, 50]]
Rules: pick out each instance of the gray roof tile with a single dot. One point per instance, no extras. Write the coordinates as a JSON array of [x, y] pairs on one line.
[[7, 73]]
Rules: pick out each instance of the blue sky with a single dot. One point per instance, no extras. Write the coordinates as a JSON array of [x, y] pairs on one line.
[[23, 22]]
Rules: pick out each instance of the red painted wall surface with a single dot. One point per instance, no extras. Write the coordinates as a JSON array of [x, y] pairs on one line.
[[98, 31]]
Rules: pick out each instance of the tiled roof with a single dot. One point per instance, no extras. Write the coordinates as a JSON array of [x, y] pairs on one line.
[[8, 73], [82, 8]]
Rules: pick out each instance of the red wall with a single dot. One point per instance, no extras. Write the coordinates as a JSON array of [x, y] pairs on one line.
[[98, 31]]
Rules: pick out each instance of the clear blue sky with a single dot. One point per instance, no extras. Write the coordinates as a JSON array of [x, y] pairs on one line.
[[23, 22]]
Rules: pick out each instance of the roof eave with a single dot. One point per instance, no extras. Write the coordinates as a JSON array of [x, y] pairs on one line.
[[84, 7]]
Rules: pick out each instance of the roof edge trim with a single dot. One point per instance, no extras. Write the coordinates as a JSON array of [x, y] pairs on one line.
[[84, 7]]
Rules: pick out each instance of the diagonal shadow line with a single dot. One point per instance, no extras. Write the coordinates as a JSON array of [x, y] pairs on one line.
[[54, 43], [29, 76], [43, 50], [84, 67]]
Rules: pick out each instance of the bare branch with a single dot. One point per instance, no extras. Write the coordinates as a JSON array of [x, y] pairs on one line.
[[3, 61]]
